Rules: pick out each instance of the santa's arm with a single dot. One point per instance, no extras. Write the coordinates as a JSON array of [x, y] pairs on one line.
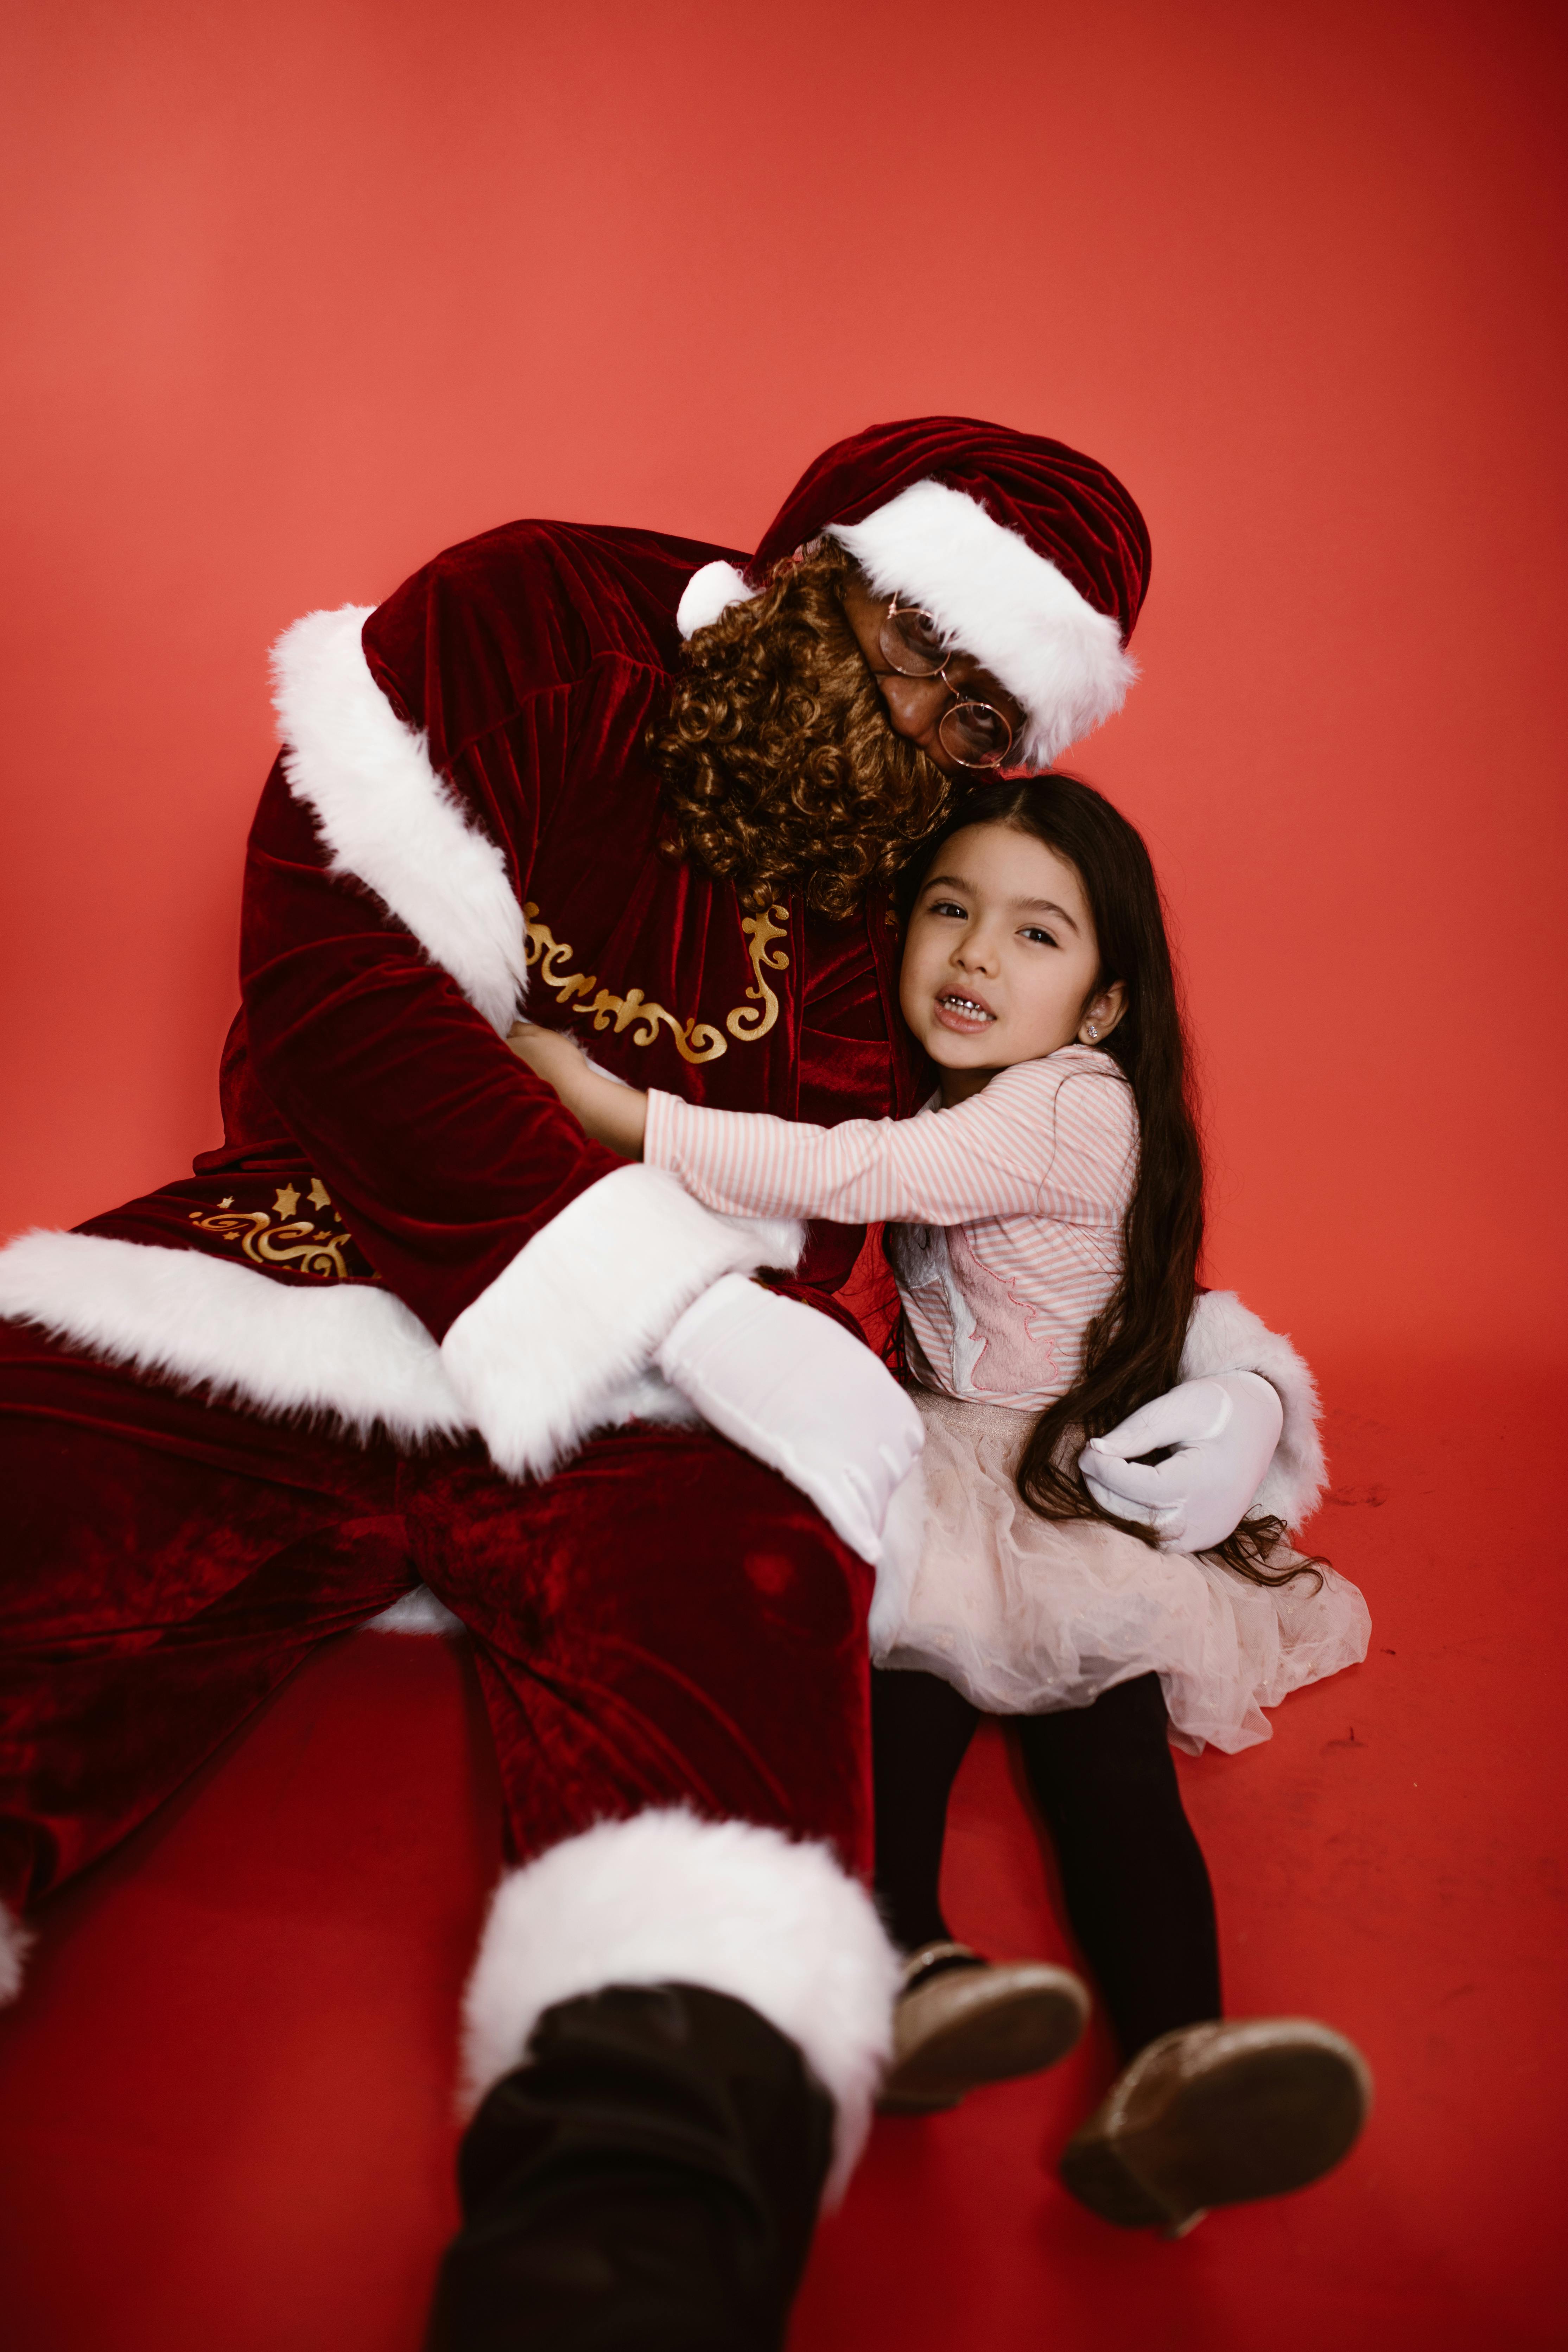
[[383, 958], [1241, 1427]]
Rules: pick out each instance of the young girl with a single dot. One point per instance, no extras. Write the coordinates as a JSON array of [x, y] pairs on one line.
[[1043, 1226]]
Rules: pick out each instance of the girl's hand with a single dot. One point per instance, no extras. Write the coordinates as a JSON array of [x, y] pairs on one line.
[[560, 1061], [607, 1111]]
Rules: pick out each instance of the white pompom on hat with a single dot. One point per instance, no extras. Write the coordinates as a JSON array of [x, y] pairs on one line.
[[707, 593]]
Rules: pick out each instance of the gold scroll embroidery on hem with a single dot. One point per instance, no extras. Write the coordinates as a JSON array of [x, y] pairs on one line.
[[280, 1237], [694, 1040]]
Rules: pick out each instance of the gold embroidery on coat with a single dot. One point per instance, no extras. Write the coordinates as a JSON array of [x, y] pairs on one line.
[[695, 1041], [294, 1241], [762, 930]]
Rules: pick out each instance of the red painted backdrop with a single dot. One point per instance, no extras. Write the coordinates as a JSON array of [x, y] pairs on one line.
[[297, 294]]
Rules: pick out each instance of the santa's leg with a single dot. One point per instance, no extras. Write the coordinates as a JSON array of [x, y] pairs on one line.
[[166, 1565], [650, 2176], [680, 2005]]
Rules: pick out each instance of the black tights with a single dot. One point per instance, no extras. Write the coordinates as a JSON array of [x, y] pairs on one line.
[[1132, 1873]]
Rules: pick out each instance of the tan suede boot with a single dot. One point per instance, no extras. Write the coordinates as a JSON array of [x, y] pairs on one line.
[[962, 2020], [1216, 2115]]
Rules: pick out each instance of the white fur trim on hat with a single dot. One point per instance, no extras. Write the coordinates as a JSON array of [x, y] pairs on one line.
[[1224, 1336], [1000, 601], [388, 819], [666, 1898], [708, 593]]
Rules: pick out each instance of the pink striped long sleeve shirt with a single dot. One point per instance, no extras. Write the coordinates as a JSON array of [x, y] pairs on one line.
[[1008, 1209]]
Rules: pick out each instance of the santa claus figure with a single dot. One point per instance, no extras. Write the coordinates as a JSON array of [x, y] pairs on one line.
[[410, 1331]]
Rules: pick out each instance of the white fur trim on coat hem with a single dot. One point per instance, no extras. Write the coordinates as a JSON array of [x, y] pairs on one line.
[[666, 1898], [355, 1355], [541, 1355], [16, 1942], [388, 819], [994, 596], [1224, 1336], [707, 593]]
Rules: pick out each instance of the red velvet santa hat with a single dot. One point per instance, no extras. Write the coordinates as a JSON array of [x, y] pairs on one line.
[[1028, 556]]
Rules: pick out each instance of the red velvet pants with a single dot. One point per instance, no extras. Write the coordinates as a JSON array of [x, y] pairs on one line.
[[663, 1622]]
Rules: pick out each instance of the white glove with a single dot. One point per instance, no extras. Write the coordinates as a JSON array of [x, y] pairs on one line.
[[1224, 1430], [793, 1388]]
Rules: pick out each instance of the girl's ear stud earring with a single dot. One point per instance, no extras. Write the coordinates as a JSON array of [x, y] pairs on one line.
[[1091, 1032]]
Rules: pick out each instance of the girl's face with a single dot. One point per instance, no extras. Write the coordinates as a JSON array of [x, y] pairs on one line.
[[1001, 964]]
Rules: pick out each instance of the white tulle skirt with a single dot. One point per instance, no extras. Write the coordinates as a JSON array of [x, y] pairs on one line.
[[1027, 1615]]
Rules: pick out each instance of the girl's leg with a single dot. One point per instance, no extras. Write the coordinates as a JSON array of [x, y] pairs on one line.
[[920, 1731], [1206, 2113], [1134, 1875], [961, 2019]]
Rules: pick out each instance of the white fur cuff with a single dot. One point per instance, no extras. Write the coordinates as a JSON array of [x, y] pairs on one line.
[[545, 1355], [1224, 1336], [666, 1898]]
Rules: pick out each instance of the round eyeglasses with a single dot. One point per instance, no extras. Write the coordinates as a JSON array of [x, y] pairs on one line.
[[974, 734]]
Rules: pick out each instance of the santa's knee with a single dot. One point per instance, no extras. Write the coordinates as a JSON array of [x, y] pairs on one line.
[[757, 1555]]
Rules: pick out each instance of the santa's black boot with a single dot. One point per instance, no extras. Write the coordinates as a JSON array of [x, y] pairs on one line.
[[648, 2179]]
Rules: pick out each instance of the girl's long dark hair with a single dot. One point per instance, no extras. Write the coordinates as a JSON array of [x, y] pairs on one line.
[[1133, 1350]]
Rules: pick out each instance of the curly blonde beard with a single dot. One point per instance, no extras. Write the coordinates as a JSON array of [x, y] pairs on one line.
[[779, 765]]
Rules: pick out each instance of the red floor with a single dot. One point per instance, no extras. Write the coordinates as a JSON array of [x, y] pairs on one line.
[[223, 2099]]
